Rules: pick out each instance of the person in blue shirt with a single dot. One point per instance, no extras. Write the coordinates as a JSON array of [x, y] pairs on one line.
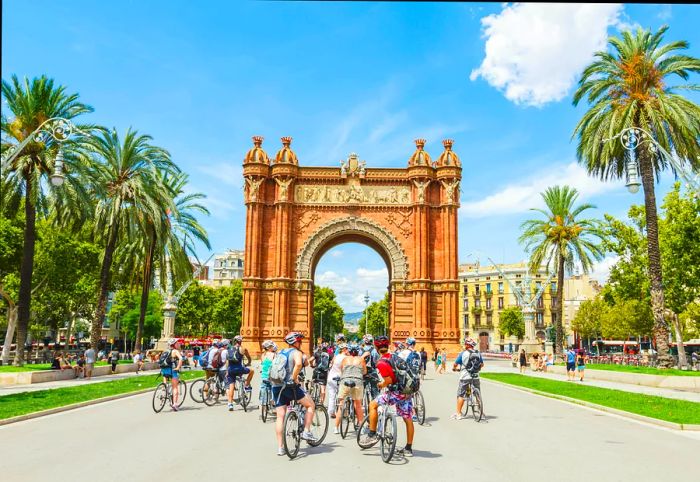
[[570, 363]]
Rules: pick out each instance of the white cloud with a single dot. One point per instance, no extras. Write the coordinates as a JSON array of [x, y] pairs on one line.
[[337, 253], [230, 173], [601, 270], [350, 290], [535, 51], [521, 196], [666, 13]]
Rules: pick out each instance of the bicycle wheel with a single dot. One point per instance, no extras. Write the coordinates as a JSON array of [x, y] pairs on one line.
[[366, 398], [419, 406], [181, 393], [291, 435], [345, 418], [319, 425], [477, 406], [197, 390], [388, 438], [160, 396], [265, 404], [362, 440], [245, 396], [211, 389]]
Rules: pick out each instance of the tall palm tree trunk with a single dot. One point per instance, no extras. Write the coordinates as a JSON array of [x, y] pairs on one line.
[[11, 326], [96, 329], [559, 308], [654, 253], [145, 290], [24, 298]]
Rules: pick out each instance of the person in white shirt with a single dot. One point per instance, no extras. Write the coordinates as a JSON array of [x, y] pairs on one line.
[[334, 372], [89, 361]]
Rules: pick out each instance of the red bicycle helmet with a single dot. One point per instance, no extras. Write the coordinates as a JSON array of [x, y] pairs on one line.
[[381, 342]]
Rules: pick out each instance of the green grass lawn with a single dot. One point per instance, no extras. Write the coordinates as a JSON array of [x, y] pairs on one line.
[[670, 410], [29, 402], [644, 370], [47, 366]]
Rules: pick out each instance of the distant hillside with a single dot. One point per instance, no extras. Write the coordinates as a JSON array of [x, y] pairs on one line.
[[352, 318]]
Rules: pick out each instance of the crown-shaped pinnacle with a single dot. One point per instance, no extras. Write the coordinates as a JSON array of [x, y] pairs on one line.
[[258, 140], [420, 143], [286, 141], [448, 144]]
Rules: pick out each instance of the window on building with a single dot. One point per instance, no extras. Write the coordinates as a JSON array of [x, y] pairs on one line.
[[554, 301], [477, 303], [466, 304], [553, 287], [489, 319], [540, 318], [466, 289], [477, 289], [466, 321], [477, 320], [500, 303], [488, 303], [488, 287], [500, 287], [518, 276], [554, 318]]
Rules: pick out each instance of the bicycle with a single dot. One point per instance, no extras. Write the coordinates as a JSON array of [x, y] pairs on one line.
[[213, 388], [419, 407], [473, 399], [241, 395], [293, 426], [386, 432], [197, 390], [267, 404], [347, 413], [370, 390], [164, 393]]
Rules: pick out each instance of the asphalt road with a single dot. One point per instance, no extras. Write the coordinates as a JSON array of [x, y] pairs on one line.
[[525, 437]]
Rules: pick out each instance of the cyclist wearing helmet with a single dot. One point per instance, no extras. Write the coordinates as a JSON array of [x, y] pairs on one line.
[[371, 357], [291, 390], [469, 363], [410, 355], [236, 368], [403, 403], [172, 372], [320, 362], [352, 370], [339, 338]]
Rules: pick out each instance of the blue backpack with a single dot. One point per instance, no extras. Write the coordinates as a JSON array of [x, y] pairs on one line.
[[204, 359]]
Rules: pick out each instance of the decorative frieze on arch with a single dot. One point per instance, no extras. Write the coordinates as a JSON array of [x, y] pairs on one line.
[[356, 226]]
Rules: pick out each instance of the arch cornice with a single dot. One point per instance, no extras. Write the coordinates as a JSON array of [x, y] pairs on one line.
[[355, 226]]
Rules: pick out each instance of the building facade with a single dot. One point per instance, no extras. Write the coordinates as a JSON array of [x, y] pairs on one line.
[[228, 266], [485, 293]]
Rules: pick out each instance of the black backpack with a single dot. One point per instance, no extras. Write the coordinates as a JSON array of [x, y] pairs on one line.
[[407, 381], [233, 355], [473, 363], [165, 360], [323, 362]]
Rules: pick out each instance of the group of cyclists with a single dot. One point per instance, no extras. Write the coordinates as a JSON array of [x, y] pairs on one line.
[[374, 371]]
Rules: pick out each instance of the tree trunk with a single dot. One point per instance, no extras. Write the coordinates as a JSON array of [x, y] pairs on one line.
[[147, 275], [559, 308], [96, 329], [69, 329], [682, 359], [26, 269], [654, 253], [10, 333]]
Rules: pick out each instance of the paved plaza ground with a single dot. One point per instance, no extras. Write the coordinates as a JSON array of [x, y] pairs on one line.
[[524, 437]]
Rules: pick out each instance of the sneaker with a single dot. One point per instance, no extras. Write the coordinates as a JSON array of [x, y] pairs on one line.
[[336, 430], [280, 451], [175, 409], [308, 436], [230, 407], [407, 452], [456, 416]]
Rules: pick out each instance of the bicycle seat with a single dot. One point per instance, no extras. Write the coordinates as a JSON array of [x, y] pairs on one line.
[[336, 379], [349, 383]]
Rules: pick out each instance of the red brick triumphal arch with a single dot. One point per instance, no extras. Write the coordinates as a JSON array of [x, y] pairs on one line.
[[295, 214]]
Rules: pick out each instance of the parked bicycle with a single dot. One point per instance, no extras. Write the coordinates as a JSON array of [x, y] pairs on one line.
[[419, 407], [164, 394], [241, 396], [386, 432], [293, 427], [267, 403], [472, 399], [214, 387]]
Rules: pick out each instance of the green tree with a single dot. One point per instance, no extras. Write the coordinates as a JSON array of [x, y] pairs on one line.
[[195, 310], [227, 314], [31, 105], [127, 175], [377, 320], [627, 318], [588, 320], [562, 240], [325, 302], [512, 322], [632, 87]]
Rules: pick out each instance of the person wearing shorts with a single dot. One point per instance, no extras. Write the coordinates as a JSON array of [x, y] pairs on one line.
[[236, 368], [352, 371], [570, 364]]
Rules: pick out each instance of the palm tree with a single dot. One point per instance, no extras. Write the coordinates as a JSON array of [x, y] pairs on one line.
[[128, 188], [631, 87], [172, 237], [563, 240], [31, 104]]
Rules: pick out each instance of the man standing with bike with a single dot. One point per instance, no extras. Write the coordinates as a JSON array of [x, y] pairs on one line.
[[171, 364], [402, 402], [236, 368], [469, 363], [288, 388]]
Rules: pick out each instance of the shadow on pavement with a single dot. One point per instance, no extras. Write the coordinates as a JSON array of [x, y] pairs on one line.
[[425, 454]]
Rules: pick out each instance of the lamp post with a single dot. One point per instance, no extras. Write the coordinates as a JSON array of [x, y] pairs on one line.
[[57, 128], [633, 137], [321, 326], [366, 309]]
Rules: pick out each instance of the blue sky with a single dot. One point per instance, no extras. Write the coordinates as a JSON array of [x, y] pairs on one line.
[[203, 77]]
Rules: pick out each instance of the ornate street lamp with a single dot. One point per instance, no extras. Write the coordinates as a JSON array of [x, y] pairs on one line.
[[366, 309]]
